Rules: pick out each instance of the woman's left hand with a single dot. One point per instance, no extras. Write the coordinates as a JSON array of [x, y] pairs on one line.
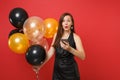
[[65, 45]]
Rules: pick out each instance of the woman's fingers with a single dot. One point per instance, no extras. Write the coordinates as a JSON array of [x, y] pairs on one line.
[[36, 68], [64, 45]]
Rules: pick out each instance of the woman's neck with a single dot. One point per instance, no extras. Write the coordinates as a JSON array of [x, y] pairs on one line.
[[66, 34]]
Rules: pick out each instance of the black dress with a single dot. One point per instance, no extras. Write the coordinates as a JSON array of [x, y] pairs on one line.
[[65, 67]]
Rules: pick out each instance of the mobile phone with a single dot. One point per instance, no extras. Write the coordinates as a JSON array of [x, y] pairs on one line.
[[64, 40]]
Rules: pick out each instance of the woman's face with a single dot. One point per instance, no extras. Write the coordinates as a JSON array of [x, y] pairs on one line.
[[67, 22]]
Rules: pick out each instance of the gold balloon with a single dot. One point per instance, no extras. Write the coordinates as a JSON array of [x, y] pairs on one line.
[[18, 43], [34, 28], [51, 27]]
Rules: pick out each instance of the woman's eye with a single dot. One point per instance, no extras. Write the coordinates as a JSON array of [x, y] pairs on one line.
[[68, 20]]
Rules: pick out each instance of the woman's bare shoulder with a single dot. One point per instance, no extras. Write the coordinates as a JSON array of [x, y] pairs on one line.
[[76, 36]]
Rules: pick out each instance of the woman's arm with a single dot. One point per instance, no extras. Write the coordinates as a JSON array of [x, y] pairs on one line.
[[49, 54], [79, 51]]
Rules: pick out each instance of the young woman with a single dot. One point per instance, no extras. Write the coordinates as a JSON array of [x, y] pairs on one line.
[[66, 44]]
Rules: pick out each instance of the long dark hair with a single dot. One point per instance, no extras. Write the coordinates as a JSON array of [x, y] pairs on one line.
[[60, 28]]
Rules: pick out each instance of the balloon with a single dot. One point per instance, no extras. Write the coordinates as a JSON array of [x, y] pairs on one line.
[[15, 31], [34, 28], [43, 42], [18, 43], [51, 27], [17, 17], [35, 55]]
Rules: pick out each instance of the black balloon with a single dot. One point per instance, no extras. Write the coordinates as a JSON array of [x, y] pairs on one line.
[[15, 31], [17, 17], [35, 55]]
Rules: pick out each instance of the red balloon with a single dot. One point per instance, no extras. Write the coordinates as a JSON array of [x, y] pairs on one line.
[[43, 42]]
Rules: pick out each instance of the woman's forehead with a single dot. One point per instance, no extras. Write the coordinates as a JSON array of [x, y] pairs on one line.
[[67, 17]]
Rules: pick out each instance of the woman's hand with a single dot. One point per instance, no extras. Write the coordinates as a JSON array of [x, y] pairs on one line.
[[65, 45], [36, 68]]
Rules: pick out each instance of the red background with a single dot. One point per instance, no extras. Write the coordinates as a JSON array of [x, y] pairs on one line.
[[96, 21]]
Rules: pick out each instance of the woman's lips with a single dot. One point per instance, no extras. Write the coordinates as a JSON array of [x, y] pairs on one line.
[[66, 26]]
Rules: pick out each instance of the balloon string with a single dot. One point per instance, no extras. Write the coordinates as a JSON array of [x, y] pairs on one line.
[[37, 75]]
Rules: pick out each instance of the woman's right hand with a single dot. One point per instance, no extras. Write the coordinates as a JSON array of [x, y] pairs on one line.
[[36, 68]]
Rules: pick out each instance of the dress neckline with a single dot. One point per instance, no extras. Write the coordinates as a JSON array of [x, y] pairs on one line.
[[67, 37]]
